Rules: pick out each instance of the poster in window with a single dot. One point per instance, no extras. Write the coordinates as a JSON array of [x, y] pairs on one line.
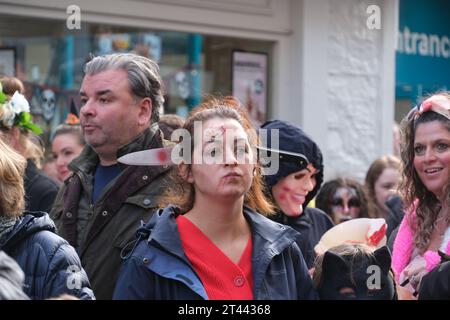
[[250, 83], [7, 62]]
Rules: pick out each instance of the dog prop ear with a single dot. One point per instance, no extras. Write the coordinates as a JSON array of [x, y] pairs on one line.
[[383, 257], [333, 264]]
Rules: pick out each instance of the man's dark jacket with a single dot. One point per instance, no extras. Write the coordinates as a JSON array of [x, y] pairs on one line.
[[100, 230]]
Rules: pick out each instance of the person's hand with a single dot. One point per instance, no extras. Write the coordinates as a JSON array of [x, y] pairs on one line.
[[413, 273], [404, 294]]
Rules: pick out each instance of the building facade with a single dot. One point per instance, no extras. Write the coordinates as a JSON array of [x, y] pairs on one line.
[[328, 65]]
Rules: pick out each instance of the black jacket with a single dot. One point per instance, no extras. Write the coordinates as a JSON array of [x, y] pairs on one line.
[[40, 189], [311, 224], [159, 269], [436, 284], [396, 213], [51, 265]]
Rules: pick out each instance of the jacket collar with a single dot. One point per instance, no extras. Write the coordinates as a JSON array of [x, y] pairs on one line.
[[267, 234], [269, 239], [269, 230], [139, 143], [164, 231], [302, 220], [29, 223], [88, 159]]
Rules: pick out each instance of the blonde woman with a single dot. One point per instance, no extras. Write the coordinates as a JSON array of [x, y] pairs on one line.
[[50, 264]]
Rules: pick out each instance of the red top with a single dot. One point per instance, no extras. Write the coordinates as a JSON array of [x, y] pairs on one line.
[[221, 277]]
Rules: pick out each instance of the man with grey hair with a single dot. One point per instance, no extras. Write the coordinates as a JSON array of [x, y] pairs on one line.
[[100, 206]]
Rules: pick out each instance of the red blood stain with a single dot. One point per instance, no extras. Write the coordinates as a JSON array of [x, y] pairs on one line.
[[162, 156], [377, 236], [285, 191]]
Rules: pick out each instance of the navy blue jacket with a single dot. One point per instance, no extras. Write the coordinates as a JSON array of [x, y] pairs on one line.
[[51, 265], [157, 268]]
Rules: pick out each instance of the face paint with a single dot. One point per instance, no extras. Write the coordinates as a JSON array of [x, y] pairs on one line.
[[290, 192], [345, 205], [212, 134], [359, 277]]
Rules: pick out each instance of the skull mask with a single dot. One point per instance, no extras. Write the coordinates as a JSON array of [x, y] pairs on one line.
[[182, 82], [48, 104]]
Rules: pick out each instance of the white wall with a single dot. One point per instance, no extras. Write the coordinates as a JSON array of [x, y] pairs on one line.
[[343, 81]]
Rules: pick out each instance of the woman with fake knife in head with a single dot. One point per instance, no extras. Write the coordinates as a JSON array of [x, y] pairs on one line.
[[214, 241]]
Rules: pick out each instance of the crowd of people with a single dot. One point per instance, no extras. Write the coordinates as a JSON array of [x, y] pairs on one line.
[[216, 224]]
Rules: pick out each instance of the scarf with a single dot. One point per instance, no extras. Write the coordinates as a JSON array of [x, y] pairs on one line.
[[6, 226]]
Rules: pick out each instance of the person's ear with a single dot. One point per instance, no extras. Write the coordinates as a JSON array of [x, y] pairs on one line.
[[185, 172], [145, 111]]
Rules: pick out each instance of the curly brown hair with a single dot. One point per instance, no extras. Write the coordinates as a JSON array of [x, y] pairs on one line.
[[412, 188]]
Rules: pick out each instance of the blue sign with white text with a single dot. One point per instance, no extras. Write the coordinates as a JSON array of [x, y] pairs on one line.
[[423, 48]]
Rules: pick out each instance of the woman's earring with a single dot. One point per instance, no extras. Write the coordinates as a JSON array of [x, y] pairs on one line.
[[254, 172]]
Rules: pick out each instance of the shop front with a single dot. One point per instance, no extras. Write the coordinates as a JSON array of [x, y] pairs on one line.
[[423, 52], [48, 57]]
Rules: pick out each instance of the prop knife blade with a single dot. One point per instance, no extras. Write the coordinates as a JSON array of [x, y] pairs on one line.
[[150, 157]]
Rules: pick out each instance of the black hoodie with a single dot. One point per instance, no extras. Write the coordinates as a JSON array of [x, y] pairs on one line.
[[312, 223]]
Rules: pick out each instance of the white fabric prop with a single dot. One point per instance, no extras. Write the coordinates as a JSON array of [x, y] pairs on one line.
[[371, 232]]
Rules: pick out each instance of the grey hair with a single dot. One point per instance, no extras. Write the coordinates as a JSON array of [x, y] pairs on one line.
[[143, 76]]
